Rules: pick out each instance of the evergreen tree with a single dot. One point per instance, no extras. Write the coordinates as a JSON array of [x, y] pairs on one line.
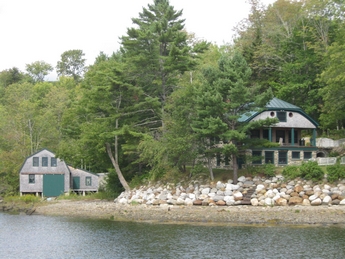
[[223, 97]]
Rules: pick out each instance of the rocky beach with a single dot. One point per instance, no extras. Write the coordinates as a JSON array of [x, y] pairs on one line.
[[262, 201]]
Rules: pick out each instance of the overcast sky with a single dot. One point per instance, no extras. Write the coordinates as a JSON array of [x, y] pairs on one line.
[[32, 30]]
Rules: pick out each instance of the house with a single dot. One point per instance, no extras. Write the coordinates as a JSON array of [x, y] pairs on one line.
[[292, 147], [43, 174]]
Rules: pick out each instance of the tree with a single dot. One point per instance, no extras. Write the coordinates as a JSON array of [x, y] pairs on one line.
[[223, 97], [38, 70], [157, 50], [72, 64]]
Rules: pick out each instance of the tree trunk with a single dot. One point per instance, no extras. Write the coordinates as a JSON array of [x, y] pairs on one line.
[[210, 168], [117, 169], [235, 168]]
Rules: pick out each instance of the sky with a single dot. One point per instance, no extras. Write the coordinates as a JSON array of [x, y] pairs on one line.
[[41, 30]]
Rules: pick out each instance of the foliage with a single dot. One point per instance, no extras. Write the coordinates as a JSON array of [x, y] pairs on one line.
[[335, 172], [311, 171], [38, 70], [291, 172], [72, 64], [269, 170]]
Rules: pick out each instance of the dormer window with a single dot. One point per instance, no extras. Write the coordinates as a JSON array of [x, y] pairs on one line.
[[281, 116], [44, 161]]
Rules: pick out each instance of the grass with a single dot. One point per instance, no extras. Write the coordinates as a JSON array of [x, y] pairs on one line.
[[89, 196]]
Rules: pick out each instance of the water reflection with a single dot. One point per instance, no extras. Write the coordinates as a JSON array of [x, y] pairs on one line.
[[59, 237]]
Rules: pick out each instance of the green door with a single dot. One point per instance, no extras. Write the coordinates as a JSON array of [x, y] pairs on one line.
[[76, 182], [53, 185]]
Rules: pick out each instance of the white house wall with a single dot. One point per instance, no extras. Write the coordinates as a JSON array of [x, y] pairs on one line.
[[297, 120]]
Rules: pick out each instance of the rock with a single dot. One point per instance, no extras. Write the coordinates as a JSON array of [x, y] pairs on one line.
[[342, 202], [327, 200], [254, 202], [335, 202], [295, 200], [205, 191], [309, 192], [217, 198], [123, 201], [241, 179], [313, 197], [316, 202], [197, 202], [260, 187], [237, 196], [269, 202], [298, 189], [294, 194], [248, 184], [281, 202], [221, 203], [334, 196], [306, 202]]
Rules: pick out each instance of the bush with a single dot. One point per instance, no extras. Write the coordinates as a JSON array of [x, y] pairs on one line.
[[335, 172], [291, 172], [269, 170], [311, 171]]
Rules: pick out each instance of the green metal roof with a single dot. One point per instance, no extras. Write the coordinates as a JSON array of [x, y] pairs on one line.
[[277, 105]]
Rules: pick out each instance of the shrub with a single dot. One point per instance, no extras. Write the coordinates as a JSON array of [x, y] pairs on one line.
[[269, 170], [311, 171], [335, 172], [291, 172]]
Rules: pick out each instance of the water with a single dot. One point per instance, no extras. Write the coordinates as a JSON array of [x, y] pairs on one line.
[[59, 237]]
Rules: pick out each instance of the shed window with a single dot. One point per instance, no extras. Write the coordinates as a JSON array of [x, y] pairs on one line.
[[281, 116], [53, 162], [307, 155], [296, 154], [88, 181], [44, 161], [35, 161], [31, 178]]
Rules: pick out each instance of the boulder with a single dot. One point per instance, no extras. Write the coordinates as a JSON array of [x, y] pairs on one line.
[[306, 202], [295, 200], [342, 202], [221, 203], [313, 197], [327, 200], [269, 202], [254, 202], [281, 202], [298, 188], [237, 196], [197, 202], [316, 202]]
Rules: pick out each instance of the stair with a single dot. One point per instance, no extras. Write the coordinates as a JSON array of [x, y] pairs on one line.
[[247, 197]]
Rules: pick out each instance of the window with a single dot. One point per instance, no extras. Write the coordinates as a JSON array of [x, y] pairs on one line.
[[31, 178], [281, 116], [269, 157], [227, 160], [35, 161], [280, 134], [255, 134], [256, 158], [88, 181], [295, 137], [265, 134], [295, 155], [307, 155], [44, 161], [53, 162], [282, 157]]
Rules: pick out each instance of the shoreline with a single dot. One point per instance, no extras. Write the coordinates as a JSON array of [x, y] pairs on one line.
[[204, 215]]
